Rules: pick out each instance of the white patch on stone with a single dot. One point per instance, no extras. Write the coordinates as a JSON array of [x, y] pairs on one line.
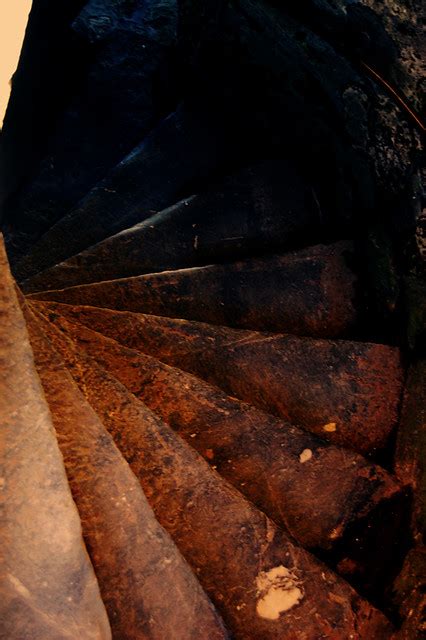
[[20, 588], [278, 590], [305, 455]]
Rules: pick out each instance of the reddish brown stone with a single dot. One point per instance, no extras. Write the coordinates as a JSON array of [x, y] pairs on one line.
[[48, 589], [309, 292], [327, 497], [264, 585], [410, 456], [346, 392], [410, 596], [134, 558]]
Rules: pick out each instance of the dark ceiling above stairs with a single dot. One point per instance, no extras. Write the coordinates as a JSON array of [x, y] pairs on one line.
[[212, 359]]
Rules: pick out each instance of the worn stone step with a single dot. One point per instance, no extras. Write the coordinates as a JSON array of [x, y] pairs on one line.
[[346, 392], [264, 585], [330, 499], [184, 148], [48, 588], [134, 558], [258, 209], [308, 292]]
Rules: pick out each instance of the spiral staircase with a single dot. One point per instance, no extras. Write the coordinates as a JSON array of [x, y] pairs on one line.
[[212, 459], [201, 437]]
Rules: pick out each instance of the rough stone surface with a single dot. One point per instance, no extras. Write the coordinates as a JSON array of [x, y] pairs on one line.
[[333, 91], [409, 596], [402, 21], [346, 392], [329, 499], [364, 147], [310, 292], [263, 584], [48, 590], [134, 558], [346, 131], [184, 148], [261, 208]]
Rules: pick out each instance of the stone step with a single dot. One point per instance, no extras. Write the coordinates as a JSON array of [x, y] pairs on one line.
[[48, 586], [264, 585], [330, 499], [184, 148], [308, 292], [132, 554], [346, 392], [259, 209]]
